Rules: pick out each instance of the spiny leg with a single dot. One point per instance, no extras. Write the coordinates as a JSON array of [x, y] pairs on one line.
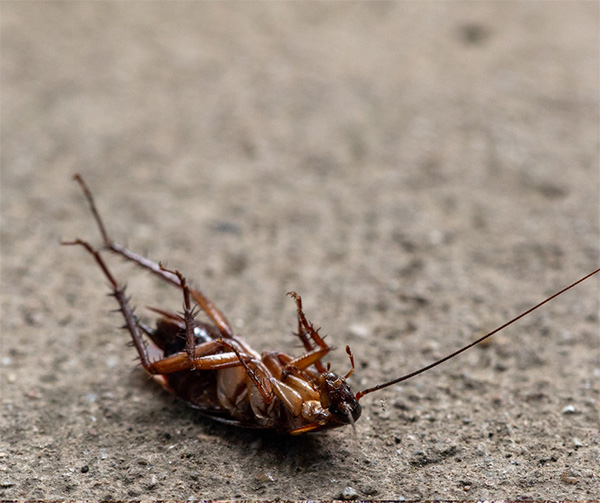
[[267, 396], [188, 314], [119, 294], [204, 357], [205, 304], [303, 337], [305, 327], [302, 334]]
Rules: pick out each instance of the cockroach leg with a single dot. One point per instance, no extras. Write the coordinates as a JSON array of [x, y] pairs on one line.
[[131, 321], [188, 314], [205, 304], [213, 313], [146, 329], [166, 314], [281, 367], [302, 335], [351, 356], [267, 396], [306, 360], [204, 358], [305, 327]]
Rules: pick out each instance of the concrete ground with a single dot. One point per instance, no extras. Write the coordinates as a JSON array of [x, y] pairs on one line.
[[419, 172]]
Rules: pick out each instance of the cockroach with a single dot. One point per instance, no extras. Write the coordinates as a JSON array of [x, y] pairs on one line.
[[206, 364]]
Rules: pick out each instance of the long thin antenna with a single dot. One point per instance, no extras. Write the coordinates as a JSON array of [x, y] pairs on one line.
[[362, 393]]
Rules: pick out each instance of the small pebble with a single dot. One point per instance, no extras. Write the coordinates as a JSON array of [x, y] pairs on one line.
[[577, 442], [569, 477], [264, 477], [349, 493], [569, 409], [85, 469], [111, 361]]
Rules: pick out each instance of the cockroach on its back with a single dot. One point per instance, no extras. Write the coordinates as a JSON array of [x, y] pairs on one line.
[[217, 372]]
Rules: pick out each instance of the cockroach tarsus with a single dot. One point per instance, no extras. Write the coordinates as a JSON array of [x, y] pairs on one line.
[[207, 365]]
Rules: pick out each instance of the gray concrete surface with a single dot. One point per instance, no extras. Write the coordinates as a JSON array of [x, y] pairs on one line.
[[419, 172]]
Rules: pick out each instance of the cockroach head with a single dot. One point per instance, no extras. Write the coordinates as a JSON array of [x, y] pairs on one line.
[[338, 399]]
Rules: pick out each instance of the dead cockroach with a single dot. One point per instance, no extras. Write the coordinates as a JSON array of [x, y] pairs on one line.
[[217, 372]]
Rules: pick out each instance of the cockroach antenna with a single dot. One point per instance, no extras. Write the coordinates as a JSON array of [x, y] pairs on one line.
[[364, 392]]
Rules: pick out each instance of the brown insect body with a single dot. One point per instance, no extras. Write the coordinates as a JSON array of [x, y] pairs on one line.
[[230, 396], [210, 367], [207, 365]]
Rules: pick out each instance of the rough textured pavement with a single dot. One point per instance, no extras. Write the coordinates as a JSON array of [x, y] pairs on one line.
[[419, 172]]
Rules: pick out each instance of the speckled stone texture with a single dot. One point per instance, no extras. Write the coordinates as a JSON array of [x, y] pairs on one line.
[[419, 172]]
